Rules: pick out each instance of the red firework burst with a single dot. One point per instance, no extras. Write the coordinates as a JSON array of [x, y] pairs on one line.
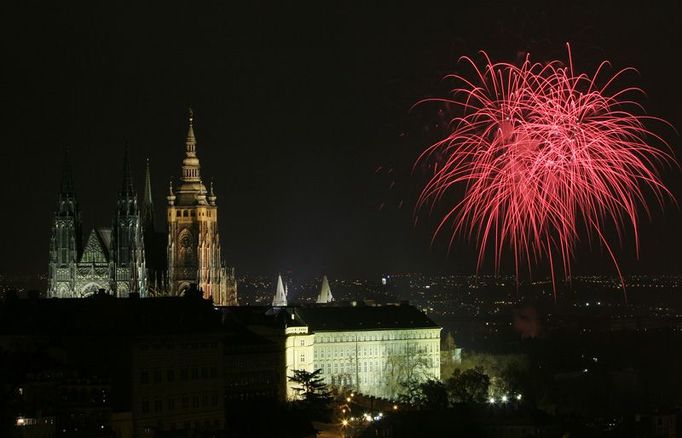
[[543, 153]]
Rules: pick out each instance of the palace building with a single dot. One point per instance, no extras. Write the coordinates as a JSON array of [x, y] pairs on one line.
[[369, 349]]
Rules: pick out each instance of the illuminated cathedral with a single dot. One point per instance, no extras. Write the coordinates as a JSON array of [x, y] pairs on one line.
[[131, 256]]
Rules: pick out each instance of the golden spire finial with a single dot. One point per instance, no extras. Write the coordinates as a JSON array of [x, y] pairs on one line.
[[191, 115]]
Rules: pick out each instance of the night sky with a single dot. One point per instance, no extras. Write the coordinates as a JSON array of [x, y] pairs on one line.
[[296, 109]]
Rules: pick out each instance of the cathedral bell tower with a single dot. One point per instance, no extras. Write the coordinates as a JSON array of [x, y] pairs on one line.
[[193, 236], [129, 270], [65, 243]]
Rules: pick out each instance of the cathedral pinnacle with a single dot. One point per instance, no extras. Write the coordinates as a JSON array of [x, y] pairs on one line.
[[67, 204], [127, 183], [171, 195], [67, 176], [211, 196]]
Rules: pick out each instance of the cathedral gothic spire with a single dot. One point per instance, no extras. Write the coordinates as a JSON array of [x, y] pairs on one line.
[[67, 174], [127, 188], [67, 202], [148, 202]]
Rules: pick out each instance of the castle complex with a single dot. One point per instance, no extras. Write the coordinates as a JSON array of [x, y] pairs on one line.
[[131, 256]]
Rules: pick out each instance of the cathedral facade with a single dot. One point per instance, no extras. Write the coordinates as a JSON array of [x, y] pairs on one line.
[[131, 256], [112, 259]]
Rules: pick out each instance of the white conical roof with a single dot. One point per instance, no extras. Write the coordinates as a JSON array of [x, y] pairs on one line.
[[325, 295], [280, 299]]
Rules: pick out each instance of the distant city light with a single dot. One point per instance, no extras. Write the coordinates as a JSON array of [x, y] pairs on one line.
[[491, 400], [518, 396], [505, 399]]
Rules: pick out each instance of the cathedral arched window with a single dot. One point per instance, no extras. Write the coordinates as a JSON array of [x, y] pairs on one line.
[[187, 250]]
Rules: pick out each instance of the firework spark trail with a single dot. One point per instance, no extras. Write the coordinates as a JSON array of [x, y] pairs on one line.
[[541, 153]]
